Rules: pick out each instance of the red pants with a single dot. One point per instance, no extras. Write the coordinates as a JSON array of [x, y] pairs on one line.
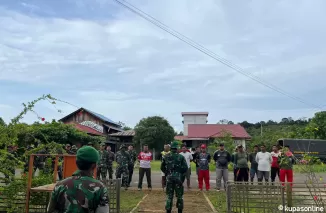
[[203, 176], [289, 176]]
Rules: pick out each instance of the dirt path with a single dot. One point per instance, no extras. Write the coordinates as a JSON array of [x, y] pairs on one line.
[[194, 202]]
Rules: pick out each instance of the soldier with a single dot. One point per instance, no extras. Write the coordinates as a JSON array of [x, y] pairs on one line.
[[174, 166], [110, 161], [73, 150], [81, 192], [102, 164], [133, 157], [123, 161], [68, 148]]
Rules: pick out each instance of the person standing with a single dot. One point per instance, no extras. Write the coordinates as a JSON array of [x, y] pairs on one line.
[[264, 160], [241, 162], [222, 159], [188, 157], [195, 157], [203, 159], [254, 164], [286, 161], [133, 157], [275, 169], [145, 157], [102, 164], [74, 150], [110, 161], [163, 153], [123, 161], [81, 192], [234, 165], [174, 166]]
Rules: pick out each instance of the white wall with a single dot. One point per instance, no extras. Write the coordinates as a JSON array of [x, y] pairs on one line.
[[192, 119]]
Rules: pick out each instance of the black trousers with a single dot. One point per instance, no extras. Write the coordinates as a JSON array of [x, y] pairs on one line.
[[142, 172], [275, 171], [131, 172], [235, 174], [243, 174]]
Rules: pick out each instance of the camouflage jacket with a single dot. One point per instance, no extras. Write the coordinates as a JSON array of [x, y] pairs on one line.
[[174, 166], [110, 158], [133, 156], [80, 193], [104, 158], [123, 158]]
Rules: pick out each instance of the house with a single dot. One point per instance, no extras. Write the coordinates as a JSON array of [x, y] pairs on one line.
[[197, 131], [125, 137], [92, 123]]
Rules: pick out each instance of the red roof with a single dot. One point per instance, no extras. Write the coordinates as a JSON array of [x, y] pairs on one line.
[[216, 130], [86, 129]]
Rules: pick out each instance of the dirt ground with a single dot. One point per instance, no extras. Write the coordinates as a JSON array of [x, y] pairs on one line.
[[194, 202]]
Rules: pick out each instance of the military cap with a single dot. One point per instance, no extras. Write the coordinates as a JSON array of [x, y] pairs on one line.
[[68, 144], [87, 153], [74, 147], [122, 146], [174, 145]]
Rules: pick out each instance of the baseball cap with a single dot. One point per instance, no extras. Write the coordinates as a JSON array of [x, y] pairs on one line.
[[221, 144], [203, 146]]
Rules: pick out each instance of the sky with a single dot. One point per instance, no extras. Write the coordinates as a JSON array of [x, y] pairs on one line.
[[98, 55]]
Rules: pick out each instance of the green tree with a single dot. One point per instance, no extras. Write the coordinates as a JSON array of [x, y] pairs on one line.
[[2, 122], [317, 125], [154, 131], [226, 139]]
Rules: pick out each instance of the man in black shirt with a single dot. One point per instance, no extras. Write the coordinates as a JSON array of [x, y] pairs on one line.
[[195, 156]]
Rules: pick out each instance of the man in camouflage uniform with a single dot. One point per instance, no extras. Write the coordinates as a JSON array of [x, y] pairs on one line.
[[73, 150], [102, 166], [110, 161], [123, 161], [174, 166], [81, 192], [133, 157]]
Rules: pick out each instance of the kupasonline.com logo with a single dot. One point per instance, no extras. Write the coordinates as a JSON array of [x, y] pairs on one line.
[[301, 209]]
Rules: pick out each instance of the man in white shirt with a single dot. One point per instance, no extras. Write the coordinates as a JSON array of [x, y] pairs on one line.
[[264, 160], [189, 158]]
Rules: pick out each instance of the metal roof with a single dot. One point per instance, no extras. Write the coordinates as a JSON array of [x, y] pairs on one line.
[[124, 133], [102, 117]]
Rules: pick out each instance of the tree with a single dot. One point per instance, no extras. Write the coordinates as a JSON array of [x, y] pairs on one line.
[[317, 125], [224, 121], [154, 131], [226, 139], [2, 122], [124, 126]]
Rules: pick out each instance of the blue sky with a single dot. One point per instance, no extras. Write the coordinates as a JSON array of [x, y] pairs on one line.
[[98, 55]]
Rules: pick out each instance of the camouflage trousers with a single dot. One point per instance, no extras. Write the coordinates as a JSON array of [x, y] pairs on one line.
[[101, 171], [110, 170], [123, 172], [171, 187]]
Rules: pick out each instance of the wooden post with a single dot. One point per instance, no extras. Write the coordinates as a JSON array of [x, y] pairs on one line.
[[29, 183], [55, 169]]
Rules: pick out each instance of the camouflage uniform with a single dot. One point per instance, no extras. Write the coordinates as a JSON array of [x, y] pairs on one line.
[[133, 157], [80, 193], [73, 150], [174, 166], [110, 163], [123, 161], [102, 166]]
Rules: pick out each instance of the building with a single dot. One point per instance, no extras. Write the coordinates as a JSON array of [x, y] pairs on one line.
[[196, 130], [92, 123], [125, 137]]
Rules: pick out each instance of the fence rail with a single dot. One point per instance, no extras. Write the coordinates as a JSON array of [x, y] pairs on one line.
[[40, 200], [268, 198]]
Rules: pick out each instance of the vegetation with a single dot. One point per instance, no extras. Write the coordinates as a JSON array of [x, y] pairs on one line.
[[154, 131]]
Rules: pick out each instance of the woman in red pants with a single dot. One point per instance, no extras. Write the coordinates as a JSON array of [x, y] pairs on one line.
[[203, 160], [286, 161]]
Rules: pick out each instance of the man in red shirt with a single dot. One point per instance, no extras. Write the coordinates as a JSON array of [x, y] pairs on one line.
[[145, 157], [275, 168]]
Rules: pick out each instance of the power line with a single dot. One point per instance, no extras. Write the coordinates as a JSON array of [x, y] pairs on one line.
[[209, 53]]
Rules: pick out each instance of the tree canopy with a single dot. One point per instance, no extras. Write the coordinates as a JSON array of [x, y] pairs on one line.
[[154, 131]]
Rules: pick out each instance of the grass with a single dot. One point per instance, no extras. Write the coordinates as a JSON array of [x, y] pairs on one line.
[[129, 199]]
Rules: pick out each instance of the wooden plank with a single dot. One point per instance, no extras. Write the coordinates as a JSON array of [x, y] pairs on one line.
[[45, 188]]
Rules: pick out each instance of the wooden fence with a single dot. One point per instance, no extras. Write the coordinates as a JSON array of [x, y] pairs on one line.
[[40, 200], [268, 198]]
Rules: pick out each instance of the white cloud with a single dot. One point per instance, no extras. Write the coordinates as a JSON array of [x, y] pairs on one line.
[[102, 56]]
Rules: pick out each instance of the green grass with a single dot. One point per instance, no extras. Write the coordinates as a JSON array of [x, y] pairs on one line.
[[129, 200]]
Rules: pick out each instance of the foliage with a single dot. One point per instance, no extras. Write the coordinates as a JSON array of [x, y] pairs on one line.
[[154, 131], [226, 139]]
